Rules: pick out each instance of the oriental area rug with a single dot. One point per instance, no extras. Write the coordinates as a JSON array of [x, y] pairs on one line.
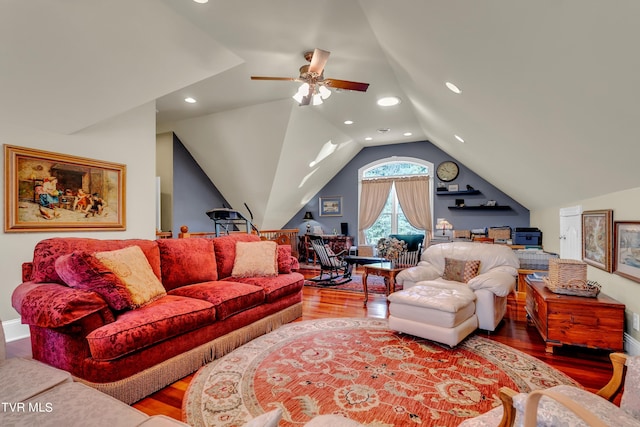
[[375, 285], [358, 368]]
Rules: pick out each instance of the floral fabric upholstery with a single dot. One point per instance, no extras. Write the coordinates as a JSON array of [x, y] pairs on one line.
[[53, 306], [78, 331], [228, 299], [82, 270], [164, 318], [197, 254], [631, 397], [553, 414], [47, 251], [286, 263], [275, 288]]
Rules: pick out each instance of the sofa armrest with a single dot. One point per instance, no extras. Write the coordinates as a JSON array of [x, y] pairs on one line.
[[50, 305], [498, 281], [422, 271]]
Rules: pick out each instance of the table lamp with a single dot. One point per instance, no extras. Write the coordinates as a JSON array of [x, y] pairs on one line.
[[308, 216]]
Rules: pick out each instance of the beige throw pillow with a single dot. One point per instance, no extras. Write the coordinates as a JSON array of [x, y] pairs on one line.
[[460, 270], [256, 259], [134, 270]]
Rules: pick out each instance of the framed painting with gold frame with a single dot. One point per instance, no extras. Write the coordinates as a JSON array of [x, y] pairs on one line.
[[47, 191]]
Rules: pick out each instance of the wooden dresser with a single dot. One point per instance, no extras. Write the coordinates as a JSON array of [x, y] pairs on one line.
[[573, 320]]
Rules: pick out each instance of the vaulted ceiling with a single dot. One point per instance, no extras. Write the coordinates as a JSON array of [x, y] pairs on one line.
[[547, 108]]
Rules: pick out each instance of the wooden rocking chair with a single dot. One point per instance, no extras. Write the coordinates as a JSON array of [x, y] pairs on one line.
[[334, 270]]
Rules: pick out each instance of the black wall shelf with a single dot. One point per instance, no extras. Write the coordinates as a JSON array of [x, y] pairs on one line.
[[457, 193], [483, 208]]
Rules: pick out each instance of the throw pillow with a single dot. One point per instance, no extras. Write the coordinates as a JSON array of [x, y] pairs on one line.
[[133, 269], [284, 259], [460, 270], [82, 270], [255, 259]]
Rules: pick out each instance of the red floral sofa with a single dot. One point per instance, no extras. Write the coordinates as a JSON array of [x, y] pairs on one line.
[[90, 325]]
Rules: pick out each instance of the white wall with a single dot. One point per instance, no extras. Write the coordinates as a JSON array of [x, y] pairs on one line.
[[164, 170], [129, 139], [626, 207]]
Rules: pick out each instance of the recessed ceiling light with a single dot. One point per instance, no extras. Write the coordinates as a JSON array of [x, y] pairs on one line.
[[407, 134], [368, 138], [348, 122], [388, 101], [190, 100], [453, 88], [384, 130], [201, 1], [459, 139]]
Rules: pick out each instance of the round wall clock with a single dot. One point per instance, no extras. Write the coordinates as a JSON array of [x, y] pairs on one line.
[[447, 171]]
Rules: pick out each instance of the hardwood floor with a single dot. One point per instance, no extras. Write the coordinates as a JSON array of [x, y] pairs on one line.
[[590, 368]]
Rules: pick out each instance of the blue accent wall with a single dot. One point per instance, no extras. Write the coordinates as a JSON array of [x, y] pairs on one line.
[[345, 184], [193, 192]]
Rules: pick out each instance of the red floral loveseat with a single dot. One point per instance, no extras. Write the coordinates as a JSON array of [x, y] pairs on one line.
[[84, 317]]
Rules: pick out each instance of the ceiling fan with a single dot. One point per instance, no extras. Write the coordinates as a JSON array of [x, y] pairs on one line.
[[314, 86]]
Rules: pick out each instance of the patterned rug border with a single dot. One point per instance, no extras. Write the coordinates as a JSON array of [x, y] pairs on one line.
[[249, 353]]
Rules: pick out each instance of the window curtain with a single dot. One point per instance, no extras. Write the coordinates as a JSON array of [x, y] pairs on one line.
[[413, 196], [373, 195]]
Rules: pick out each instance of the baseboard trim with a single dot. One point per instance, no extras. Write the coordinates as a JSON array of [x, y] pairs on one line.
[[631, 345], [14, 330]]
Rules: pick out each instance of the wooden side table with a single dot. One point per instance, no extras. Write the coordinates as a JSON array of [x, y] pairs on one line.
[[574, 320], [384, 270]]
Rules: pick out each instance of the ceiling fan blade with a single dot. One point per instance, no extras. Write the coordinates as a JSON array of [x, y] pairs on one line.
[[347, 85], [290, 79], [318, 60]]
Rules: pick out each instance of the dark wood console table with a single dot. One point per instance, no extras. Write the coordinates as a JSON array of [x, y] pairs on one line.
[[573, 320]]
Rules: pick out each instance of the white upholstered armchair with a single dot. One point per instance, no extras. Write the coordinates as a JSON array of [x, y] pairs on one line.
[[495, 279]]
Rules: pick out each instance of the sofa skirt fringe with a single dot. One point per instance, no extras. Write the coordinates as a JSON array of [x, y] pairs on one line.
[[142, 384]]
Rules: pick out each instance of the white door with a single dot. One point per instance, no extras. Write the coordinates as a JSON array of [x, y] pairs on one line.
[[571, 233]]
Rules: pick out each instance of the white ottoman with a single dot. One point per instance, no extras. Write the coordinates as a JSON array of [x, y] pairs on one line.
[[444, 314]]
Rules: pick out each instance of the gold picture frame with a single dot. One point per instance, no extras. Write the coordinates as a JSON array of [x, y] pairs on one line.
[[597, 232], [47, 191]]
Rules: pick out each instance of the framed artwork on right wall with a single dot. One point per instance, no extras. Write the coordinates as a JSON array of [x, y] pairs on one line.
[[597, 228], [627, 249]]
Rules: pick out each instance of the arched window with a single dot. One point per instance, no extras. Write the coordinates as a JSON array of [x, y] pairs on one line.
[[381, 210]]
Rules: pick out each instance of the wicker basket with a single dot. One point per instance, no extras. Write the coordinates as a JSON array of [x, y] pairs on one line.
[[569, 277]]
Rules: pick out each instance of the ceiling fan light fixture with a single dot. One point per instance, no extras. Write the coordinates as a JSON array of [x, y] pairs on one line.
[[389, 101], [303, 91], [317, 99], [324, 92]]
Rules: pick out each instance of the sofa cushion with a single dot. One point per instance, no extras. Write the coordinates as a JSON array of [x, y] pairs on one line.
[[460, 270], [82, 270], [255, 259], [132, 268], [228, 298], [225, 250], [187, 261], [285, 261], [275, 288], [47, 251], [163, 318], [52, 306]]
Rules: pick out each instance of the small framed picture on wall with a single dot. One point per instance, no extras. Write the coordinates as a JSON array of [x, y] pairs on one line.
[[331, 206]]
